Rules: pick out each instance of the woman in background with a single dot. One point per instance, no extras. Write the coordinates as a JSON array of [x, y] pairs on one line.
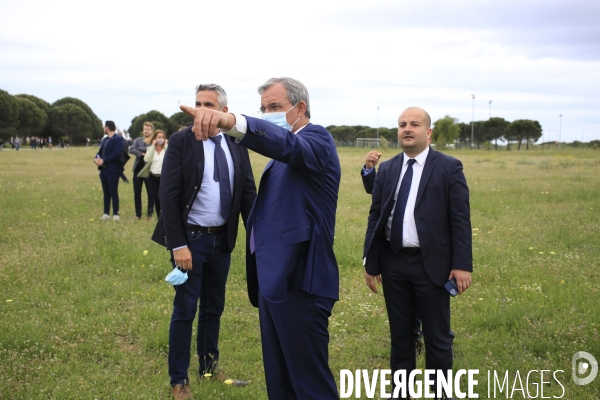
[[154, 159]]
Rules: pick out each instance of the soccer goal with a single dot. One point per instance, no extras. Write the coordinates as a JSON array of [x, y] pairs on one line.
[[368, 142]]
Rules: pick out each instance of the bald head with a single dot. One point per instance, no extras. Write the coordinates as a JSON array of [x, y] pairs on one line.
[[426, 117]]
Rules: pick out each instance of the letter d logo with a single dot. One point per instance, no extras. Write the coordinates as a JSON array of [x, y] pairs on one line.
[[581, 368]]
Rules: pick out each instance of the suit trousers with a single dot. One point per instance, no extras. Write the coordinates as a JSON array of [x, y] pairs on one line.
[[206, 282], [153, 183], [294, 339], [408, 290], [110, 188], [137, 195]]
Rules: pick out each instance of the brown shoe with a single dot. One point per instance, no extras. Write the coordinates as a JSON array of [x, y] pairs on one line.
[[182, 391], [222, 377]]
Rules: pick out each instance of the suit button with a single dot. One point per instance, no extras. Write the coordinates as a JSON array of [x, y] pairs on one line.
[[187, 206]]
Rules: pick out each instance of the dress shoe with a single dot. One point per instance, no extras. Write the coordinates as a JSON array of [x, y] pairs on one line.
[[222, 377], [182, 391]]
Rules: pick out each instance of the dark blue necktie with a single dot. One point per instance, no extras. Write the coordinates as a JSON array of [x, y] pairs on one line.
[[221, 175], [398, 219]]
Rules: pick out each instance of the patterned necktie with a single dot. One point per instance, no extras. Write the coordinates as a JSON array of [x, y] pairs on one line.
[[221, 175], [398, 219]]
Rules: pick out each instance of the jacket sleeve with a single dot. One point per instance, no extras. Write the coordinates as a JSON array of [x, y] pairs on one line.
[[117, 148], [150, 150], [309, 150], [171, 193], [137, 148], [375, 210], [460, 219], [368, 180]]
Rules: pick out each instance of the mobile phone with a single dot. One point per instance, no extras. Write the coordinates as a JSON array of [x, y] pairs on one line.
[[451, 287]]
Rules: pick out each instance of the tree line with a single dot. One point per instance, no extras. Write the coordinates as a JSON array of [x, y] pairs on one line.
[[68, 119], [448, 131]]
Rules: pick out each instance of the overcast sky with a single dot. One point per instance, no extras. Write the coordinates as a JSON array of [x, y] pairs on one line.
[[534, 59]]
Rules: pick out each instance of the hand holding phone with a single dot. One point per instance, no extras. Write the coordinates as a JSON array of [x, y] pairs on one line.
[[451, 287]]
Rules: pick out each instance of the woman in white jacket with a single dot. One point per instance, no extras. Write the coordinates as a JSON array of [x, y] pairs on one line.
[[154, 159]]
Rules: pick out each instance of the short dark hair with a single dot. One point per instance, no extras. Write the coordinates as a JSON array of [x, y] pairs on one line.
[[110, 125]]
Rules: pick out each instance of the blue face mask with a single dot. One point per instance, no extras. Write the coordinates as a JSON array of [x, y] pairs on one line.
[[176, 277], [279, 119]]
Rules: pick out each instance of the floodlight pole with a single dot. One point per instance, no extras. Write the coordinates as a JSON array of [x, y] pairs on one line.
[[473, 121], [559, 128], [377, 126], [491, 109]]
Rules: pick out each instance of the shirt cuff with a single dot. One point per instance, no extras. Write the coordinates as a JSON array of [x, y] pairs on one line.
[[366, 171], [240, 128], [178, 248]]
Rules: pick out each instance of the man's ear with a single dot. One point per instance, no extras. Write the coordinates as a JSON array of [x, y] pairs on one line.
[[301, 109], [225, 109]]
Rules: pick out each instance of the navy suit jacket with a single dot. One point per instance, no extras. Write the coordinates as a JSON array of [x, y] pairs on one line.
[[294, 213], [442, 216], [368, 180], [112, 153], [181, 177]]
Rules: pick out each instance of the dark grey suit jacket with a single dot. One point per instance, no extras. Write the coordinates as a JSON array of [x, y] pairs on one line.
[[182, 171], [442, 216]]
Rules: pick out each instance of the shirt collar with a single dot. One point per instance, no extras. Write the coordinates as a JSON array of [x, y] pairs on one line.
[[420, 158]]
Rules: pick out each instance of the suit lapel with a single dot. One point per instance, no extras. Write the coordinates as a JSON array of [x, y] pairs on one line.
[[198, 153], [396, 170], [427, 169], [237, 167]]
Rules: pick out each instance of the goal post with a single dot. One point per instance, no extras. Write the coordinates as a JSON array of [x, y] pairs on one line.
[[368, 142]]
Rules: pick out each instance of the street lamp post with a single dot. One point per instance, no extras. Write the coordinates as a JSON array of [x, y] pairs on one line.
[[377, 126], [473, 121], [491, 108], [559, 128]]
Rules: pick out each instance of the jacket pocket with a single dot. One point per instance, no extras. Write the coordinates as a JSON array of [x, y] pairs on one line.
[[296, 235]]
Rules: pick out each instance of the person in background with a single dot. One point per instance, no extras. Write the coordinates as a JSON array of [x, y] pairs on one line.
[[108, 161], [138, 149], [154, 157]]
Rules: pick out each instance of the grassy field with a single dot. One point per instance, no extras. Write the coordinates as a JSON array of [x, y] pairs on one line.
[[84, 310]]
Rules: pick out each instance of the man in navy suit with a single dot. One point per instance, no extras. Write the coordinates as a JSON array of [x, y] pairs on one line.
[[292, 272], [419, 237], [109, 163], [199, 224]]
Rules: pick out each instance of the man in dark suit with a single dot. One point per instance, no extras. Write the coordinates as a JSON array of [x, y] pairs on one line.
[[368, 172], [292, 272], [419, 237], [109, 163], [201, 200]]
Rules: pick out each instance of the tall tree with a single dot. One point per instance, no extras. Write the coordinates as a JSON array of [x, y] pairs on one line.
[[181, 119], [32, 119], [45, 107], [523, 129], [9, 114], [465, 134], [495, 129], [445, 130], [70, 120], [343, 133], [95, 124], [159, 120]]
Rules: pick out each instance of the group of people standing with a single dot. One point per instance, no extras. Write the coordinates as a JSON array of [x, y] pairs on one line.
[[417, 239], [149, 150]]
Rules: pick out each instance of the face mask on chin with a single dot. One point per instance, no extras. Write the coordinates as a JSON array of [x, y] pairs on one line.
[[279, 119]]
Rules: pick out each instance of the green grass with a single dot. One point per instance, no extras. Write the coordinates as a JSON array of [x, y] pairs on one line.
[[84, 314]]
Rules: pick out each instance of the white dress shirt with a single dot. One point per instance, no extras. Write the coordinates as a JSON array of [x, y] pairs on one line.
[[410, 238], [206, 209]]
